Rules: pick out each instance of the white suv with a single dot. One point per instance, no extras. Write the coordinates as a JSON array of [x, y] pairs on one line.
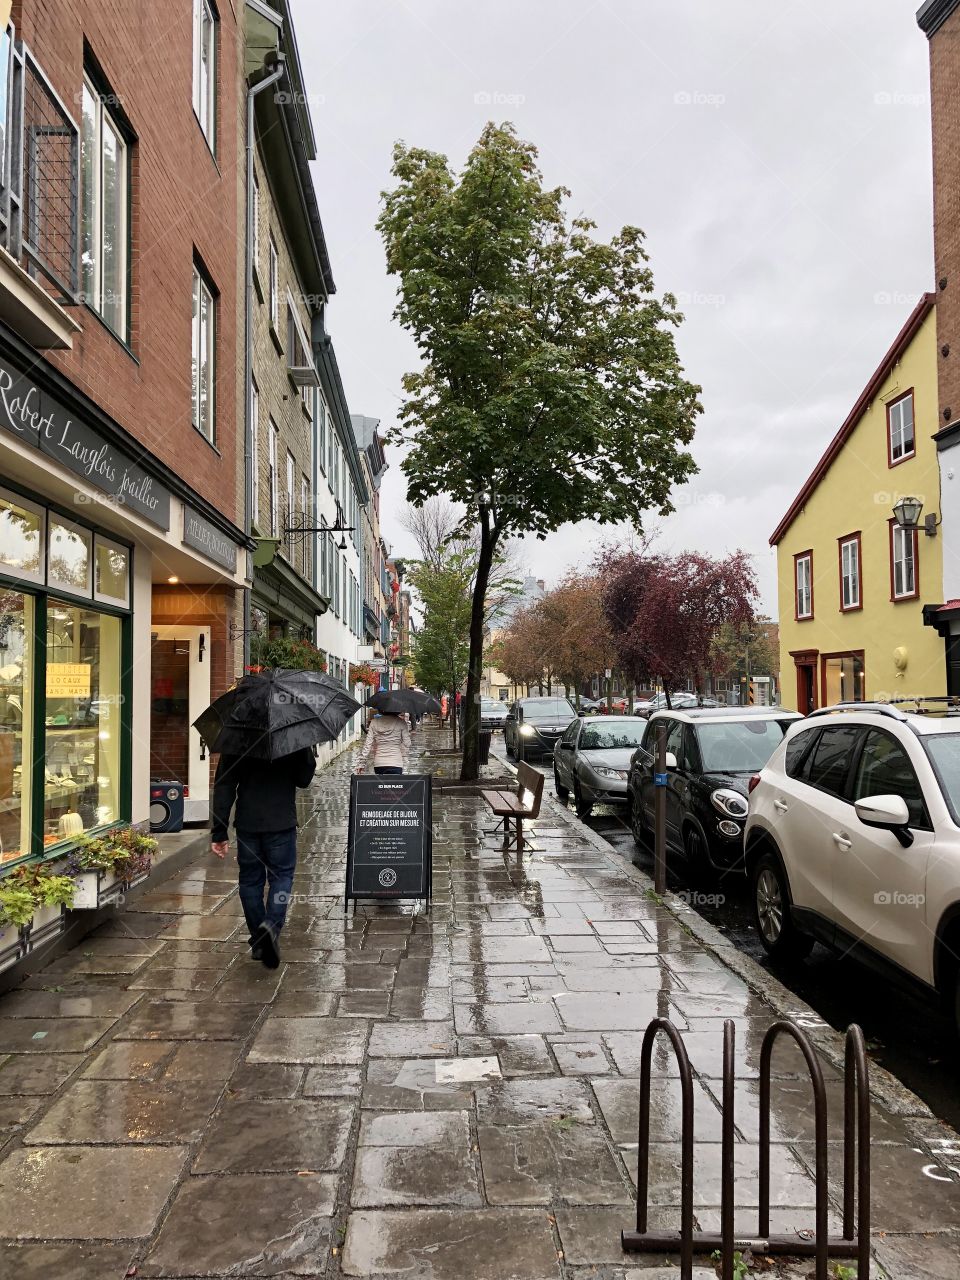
[[853, 838]]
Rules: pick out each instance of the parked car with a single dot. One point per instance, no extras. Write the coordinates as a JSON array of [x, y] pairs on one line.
[[711, 755], [853, 838], [493, 713], [590, 706], [592, 760], [534, 725], [678, 702]]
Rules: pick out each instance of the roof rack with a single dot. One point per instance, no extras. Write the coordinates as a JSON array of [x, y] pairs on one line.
[[883, 708]]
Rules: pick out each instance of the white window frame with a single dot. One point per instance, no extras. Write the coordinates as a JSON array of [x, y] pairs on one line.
[[104, 597], [274, 285], [66, 588], [274, 486], [903, 539], [205, 21], [93, 287], [897, 429], [204, 351], [850, 574], [291, 486], [803, 590], [255, 451], [34, 509]]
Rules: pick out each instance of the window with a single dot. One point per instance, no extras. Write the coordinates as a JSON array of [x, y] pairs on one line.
[[885, 770], [803, 583], [903, 563], [850, 573], [322, 433], [796, 752], [831, 759], [70, 557], [204, 354], [16, 723], [742, 746], [305, 542], [111, 572], [274, 286], [900, 435], [843, 677], [274, 480], [290, 508], [205, 68], [324, 576], [255, 451], [104, 199], [22, 530]]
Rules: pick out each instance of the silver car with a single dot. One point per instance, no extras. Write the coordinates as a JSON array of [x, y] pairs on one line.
[[592, 760]]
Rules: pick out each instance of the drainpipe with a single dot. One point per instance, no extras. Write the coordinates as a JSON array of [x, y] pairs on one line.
[[252, 92]]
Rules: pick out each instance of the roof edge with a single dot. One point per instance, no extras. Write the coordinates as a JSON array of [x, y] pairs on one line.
[[900, 344], [933, 14]]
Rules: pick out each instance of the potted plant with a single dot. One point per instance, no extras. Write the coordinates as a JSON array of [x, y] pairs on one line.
[[16, 911], [134, 850], [51, 894], [103, 866]]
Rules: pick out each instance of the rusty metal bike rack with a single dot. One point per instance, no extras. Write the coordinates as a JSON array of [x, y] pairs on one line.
[[855, 1240]]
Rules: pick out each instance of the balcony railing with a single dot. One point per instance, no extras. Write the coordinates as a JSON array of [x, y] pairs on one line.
[[40, 173]]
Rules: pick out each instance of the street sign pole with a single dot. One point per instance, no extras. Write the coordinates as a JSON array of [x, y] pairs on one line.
[[660, 836]]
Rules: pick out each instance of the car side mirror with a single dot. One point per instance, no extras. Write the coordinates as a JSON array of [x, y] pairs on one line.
[[889, 813], [671, 760]]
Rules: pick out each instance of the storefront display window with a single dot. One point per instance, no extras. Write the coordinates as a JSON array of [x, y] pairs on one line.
[[16, 726], [843, 678], [82, 727], [70, 556], [111, 572], [21, 537]]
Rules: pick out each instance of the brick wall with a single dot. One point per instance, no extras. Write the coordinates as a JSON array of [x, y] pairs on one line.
[[183, 202], [944, 71]]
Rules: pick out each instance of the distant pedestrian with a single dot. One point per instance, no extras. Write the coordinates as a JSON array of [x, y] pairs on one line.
[[444, 702], [387, 744], [265, 795]]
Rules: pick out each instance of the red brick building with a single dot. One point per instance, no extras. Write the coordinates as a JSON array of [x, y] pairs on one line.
[[122, 546]]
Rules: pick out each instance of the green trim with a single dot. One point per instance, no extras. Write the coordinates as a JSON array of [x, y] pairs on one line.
[[126, 719], [38, 753]]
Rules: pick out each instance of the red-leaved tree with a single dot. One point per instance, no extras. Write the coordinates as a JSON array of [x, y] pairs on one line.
[[665, 611]]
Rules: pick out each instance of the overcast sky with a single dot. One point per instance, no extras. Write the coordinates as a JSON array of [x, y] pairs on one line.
[[777, 156]]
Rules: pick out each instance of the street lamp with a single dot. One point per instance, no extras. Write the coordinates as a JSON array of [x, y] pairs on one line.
[[907, 513]]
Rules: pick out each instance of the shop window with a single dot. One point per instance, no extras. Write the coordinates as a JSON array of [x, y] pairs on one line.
[[16, 723], [21, 537], [111, 583], [843, 678], [70, 557], [82, 734]]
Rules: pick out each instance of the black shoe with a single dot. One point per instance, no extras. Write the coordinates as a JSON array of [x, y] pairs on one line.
[[256, 948], [269, 950]]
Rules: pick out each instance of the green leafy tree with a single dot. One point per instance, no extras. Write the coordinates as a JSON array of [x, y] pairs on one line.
[[550, 389], [442, 643]]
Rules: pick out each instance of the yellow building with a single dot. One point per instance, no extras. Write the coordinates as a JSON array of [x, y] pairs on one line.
[[852, 579]]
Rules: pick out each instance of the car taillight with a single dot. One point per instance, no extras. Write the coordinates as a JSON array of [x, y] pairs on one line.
[[752, 783]]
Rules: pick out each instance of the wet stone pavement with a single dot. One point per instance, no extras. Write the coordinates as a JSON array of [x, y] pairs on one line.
[[452, 1096]]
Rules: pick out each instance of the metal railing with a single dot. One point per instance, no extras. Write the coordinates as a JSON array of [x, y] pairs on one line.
[[40, 178]]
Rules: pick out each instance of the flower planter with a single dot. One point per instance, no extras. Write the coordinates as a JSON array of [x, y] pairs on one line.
[[11, 946], [47, 923], [131, 884], [96, 889]]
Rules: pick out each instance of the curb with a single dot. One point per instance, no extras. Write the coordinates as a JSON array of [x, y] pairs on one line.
[[894, 1096]]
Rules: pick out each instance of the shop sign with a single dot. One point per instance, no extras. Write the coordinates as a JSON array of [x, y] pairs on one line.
[[43, 421], [207, 539], [68, 680], [390, 837]]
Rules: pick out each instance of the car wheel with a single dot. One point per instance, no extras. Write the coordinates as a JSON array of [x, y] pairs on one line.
[[584, 807], [507, 747], [771, 912], [563, 793], [638, 823], [695, 852]]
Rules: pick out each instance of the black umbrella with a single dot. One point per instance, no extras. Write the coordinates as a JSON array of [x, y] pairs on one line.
[[275, 713], [396, 701]]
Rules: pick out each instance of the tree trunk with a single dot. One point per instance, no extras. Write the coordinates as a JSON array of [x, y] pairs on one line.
[[470, 770]]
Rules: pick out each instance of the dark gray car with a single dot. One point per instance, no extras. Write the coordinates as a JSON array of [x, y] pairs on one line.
[[592, 760], [533, 726]]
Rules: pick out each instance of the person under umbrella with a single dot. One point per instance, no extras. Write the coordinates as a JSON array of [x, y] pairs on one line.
[[264, 729], [387, 743]]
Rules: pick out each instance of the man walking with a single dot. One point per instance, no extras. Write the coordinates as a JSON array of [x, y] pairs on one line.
[[265, 794]]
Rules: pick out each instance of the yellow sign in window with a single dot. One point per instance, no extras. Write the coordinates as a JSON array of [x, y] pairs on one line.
[[68, 680]]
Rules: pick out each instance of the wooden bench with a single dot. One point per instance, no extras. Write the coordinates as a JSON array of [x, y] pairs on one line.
[[515, 806]]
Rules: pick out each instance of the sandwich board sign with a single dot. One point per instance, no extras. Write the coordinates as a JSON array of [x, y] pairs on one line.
[[390, 838]]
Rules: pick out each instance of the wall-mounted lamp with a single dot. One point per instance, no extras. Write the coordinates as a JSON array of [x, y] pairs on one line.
[[907, 513], [201, 647]]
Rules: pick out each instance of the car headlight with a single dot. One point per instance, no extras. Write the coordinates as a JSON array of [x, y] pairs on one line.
[[603, 772], [527, 730], [730, 803]]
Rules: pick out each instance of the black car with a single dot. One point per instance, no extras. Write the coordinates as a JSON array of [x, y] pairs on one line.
[[533, 726], [711, 756]]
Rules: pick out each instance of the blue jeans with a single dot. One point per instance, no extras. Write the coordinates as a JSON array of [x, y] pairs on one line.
[[387, 768], [266, 858]]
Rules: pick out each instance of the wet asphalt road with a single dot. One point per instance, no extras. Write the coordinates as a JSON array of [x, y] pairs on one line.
[[910, 1039]]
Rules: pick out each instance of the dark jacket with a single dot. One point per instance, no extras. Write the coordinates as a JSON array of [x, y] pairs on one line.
[[265, 792]]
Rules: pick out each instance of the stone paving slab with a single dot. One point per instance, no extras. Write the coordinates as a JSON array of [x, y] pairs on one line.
[[173, 1106]]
